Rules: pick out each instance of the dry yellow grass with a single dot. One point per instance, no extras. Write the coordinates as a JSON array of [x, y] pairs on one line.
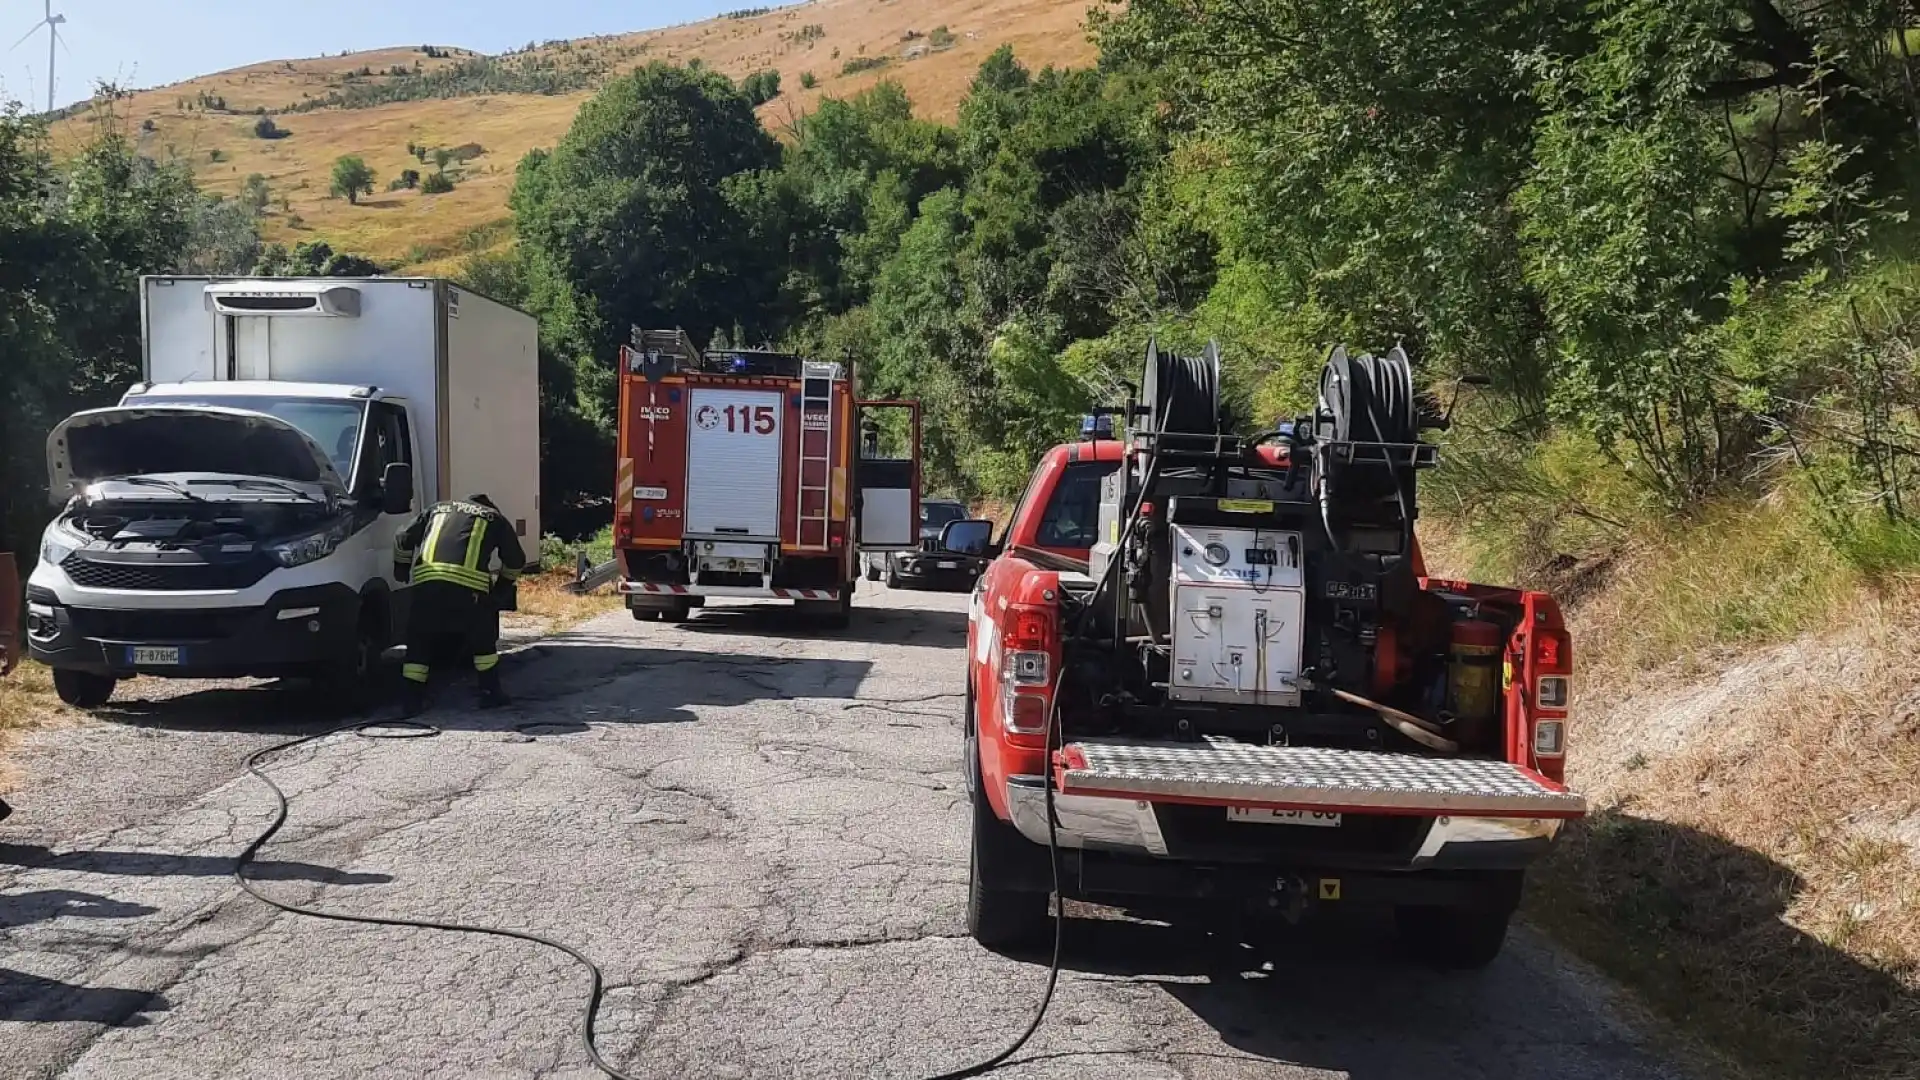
[[428, 233], [27, 702], [1748, 728], [546, 606]]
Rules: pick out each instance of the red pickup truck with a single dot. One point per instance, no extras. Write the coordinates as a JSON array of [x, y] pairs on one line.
[[1292, 729]]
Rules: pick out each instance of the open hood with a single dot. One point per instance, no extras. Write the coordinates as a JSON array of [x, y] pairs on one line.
[[147, 439]]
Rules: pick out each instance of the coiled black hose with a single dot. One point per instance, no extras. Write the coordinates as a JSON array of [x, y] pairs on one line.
[[1370, 398], [1182, 393], [1367, 399]]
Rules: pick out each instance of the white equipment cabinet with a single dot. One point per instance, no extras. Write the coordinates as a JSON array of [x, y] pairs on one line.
[[1239, 602]]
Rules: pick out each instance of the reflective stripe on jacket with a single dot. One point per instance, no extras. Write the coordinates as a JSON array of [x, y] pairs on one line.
[[457, 542]]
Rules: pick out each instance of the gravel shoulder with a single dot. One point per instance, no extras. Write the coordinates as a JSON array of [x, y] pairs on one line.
[[758, 831]]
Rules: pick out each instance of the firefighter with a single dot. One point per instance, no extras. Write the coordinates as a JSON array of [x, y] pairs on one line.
[[447, 553]]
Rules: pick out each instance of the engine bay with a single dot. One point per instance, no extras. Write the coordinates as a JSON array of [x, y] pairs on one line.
[[122, 519]]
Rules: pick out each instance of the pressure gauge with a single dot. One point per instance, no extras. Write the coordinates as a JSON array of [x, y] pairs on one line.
[[1217, 554]]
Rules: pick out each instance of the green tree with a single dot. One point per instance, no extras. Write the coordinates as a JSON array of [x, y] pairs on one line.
[[352, 178], [631, 216], [435, 183], [256, 192]]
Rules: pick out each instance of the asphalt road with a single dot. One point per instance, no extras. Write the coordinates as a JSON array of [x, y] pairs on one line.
[[758, 831]]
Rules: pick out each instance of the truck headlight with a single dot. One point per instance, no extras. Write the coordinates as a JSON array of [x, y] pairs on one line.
[[56, 544], [305, 549]]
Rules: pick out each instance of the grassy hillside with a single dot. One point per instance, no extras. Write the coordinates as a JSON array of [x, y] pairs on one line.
[[498, 108]]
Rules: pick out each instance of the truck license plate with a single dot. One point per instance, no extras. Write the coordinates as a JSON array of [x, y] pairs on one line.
[[1317, 818], [153, 656], [948, 564]]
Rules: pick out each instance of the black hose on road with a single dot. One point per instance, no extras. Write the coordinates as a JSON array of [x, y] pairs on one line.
[[596, 979]]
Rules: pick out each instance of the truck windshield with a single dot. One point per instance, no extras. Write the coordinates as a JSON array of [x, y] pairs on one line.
[[332, 423]]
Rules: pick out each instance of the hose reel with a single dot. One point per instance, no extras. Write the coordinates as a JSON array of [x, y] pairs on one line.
[[1181, 394]]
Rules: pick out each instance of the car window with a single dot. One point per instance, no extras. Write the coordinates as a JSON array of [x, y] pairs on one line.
[[1072, 517], [936, 514]]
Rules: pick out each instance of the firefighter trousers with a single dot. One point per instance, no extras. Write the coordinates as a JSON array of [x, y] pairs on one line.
[[452, 620]]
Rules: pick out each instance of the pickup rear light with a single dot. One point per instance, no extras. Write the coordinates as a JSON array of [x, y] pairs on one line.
[[1552, 651], [1553, 692], [1024, 712], [1549, 738], [1027, 642], [1029, 628]]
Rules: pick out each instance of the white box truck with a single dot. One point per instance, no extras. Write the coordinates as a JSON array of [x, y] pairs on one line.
[[235, 514]]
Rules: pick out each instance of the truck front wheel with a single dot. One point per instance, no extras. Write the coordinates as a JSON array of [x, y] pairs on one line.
[[999, 916], [82, 689], [1452, 939]]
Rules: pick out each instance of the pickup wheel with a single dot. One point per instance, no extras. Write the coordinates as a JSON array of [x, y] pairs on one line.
[[999, 916], [82, 689], [1452, 939]]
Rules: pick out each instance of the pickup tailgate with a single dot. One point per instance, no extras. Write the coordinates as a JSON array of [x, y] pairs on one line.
[[1309, 778]]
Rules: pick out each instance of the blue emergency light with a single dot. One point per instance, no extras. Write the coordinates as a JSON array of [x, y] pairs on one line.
[[1096, 427]]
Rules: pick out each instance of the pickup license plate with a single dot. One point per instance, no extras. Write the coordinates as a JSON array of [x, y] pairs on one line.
[[1318, 819], [948, 564], [153, 656]]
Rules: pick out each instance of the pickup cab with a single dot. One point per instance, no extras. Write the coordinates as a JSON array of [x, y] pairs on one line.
[[1277, 823]]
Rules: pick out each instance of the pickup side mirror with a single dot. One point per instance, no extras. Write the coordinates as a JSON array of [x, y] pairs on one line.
[[970, 536], [396, 488]]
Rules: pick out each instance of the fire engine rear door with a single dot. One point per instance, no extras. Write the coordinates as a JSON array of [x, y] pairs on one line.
[[733, 463], [889, 475]]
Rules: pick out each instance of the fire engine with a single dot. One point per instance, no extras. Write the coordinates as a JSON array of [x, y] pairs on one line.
[[754, 474]]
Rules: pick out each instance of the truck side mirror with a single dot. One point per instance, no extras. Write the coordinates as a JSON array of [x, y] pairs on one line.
[[971, 536], [396, 488]]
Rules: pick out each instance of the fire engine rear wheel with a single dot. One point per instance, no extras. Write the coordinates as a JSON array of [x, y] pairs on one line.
[[641, 614], [873, 572], [678, 613], [1452, 939], [1000, 917]]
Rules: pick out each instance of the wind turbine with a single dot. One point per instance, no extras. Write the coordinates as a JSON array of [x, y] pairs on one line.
[[53, 23]]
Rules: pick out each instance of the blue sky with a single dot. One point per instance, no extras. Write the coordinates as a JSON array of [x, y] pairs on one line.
[[144, 43]]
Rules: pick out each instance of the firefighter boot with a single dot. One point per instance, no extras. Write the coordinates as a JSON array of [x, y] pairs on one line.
[[491, 695], [413, 699]]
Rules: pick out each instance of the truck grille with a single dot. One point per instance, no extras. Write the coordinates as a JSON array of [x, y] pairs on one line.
[[116, 625], [163, 576]]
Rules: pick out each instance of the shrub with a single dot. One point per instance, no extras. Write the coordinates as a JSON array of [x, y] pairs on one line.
[[862, 63], [808, 80], [941, 38], [437, 183], [352, 178], [256, 192], [265, 128]]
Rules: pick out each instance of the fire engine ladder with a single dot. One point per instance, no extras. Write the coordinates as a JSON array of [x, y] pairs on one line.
[[815, 503]]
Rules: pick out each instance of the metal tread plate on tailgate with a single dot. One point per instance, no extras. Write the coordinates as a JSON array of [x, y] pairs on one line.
[[1362, 781]]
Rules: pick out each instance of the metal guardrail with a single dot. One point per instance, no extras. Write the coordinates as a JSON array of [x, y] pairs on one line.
[[588, 577]]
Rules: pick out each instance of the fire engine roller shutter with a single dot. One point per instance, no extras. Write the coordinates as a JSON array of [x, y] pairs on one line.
[[733, 463]]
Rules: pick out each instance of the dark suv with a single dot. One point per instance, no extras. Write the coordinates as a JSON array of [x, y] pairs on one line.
[[927, 566]]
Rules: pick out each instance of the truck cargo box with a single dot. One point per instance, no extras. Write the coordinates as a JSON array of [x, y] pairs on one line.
[[467, 365]]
